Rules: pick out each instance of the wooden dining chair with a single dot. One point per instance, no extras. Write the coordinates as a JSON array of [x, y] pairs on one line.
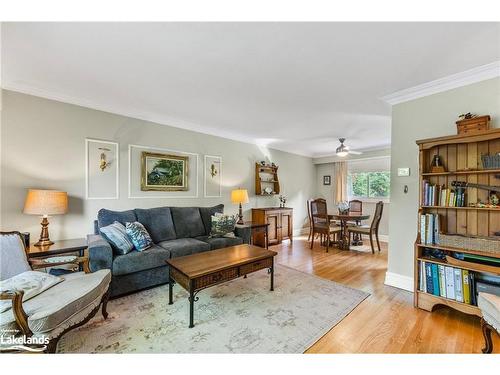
[[321, 223], [369, 230]]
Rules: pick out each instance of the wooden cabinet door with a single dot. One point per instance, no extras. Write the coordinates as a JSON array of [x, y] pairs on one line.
[[273, 218], [286, 225]]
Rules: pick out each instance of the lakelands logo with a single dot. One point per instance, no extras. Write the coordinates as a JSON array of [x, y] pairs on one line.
[[23, 343]]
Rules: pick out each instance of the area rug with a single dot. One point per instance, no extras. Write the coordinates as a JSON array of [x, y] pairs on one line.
[[240, 316]]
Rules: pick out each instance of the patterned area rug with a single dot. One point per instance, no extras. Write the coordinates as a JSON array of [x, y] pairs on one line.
[[240, 316]]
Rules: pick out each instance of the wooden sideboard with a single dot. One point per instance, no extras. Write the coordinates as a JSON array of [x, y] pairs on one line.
[[280, 222]]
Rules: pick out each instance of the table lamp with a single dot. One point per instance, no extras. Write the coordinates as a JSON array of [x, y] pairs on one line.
[[239, 196], [45, 203]]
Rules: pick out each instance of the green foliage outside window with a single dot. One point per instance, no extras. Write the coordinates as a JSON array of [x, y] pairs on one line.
[[369, 184]]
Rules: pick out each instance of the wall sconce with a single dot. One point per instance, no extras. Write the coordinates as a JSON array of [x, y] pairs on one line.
[[213, 170], [103, 164]]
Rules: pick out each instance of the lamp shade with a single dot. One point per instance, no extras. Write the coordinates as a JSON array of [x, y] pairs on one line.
[[239, 196], [46, 202]]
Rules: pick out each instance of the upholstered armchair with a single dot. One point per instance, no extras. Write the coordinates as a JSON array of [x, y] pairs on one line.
[[69, 302]]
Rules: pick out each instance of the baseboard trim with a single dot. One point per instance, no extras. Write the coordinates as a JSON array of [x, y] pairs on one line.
[[399, 281]]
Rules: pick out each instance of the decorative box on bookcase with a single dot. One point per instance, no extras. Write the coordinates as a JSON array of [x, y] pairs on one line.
[[461, 157]]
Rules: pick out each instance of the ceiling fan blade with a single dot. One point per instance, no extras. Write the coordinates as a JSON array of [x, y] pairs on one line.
[[355, 152]]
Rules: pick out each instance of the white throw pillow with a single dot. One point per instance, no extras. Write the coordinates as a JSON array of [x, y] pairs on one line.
[[31, 282]]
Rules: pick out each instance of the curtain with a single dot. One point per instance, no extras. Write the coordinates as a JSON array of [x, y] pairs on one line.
[[340, 178]]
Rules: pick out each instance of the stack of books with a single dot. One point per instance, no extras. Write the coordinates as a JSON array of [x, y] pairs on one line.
[[429, 229], [440, 195], [448, 282]]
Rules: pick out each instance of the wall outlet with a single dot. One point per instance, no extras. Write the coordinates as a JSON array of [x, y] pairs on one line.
[[403, 172]]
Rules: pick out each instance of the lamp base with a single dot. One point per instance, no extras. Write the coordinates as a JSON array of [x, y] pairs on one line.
[[44, 239], [43, 243]]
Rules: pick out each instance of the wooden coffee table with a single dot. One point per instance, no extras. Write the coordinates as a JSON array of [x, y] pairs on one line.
[[203, 270]]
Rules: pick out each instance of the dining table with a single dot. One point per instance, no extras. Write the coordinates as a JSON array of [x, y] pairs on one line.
[[344, 218]]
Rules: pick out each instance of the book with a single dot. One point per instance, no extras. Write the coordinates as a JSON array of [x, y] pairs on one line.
[[450, 282], [458, 285], [465, 286], [435, 279], [472, 285], [442, 281], [428, 278]]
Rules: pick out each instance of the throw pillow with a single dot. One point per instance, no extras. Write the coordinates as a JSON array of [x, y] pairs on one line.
[[31, 282], [222, 225], [116, 234], [139, 236]]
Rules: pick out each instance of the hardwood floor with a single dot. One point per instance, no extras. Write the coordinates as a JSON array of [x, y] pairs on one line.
[[386, 322]]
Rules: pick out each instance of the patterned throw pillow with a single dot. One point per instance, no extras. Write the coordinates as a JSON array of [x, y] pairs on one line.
[[117, 235], [138, 235], [222, 225]]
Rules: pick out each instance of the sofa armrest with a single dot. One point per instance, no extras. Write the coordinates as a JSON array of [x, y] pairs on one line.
[[243, 232], [100, 252]]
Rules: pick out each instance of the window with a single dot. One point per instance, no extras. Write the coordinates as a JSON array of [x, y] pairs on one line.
[[369, 184]]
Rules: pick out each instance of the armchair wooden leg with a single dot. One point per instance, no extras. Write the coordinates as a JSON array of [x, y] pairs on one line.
[[105, 299], [371, 243], [488, 343]]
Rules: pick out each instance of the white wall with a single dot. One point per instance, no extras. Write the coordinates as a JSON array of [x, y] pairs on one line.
[[43, 146], [432, 116], [327, 192]]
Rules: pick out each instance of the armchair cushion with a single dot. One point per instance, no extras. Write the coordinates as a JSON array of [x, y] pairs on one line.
[[490, 308], [13, 259], [57, 307], [32, 283]]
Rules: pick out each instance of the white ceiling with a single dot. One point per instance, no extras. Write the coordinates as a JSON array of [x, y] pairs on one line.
[[291, 86]]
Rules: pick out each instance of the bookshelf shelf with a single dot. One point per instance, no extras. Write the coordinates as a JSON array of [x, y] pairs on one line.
[[464, 208], [472, 171], [476, 267], [428, 301], [461, 156]]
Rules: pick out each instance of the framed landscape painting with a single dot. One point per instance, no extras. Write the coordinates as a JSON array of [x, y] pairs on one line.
[[164, 172]]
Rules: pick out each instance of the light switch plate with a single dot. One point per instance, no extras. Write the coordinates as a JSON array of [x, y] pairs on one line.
[[403, 172]]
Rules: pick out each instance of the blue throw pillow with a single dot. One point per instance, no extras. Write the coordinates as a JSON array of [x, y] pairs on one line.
[[117, 235], [138, 235]]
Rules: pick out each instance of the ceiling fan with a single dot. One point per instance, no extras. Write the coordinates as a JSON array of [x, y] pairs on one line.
[[344, 150]]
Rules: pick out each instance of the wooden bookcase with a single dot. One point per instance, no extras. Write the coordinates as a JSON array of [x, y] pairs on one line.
[[461, 156], [266, 176]]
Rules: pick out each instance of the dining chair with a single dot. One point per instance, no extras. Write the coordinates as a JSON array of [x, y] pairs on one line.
[[370, 230], [321, 223]]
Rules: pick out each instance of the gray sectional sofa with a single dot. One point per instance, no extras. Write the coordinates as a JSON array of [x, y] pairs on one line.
[[175, 231]]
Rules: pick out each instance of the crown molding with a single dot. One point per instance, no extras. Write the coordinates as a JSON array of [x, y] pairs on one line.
[[155, 118], [453, 81]]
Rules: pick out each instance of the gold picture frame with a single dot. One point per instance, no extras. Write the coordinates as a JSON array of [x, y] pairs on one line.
[[164, 172]]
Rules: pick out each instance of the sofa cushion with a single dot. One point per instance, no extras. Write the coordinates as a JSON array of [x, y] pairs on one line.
[[139, 236], [207, 213], [116, 235], [187, 222], [136, 261], [184, 246], [107, 217], [158, 222], [56, 306], [220, 242]]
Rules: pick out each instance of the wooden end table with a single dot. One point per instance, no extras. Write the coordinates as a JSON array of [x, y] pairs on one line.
[[257, 228], [202, 270], [57, 248]]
